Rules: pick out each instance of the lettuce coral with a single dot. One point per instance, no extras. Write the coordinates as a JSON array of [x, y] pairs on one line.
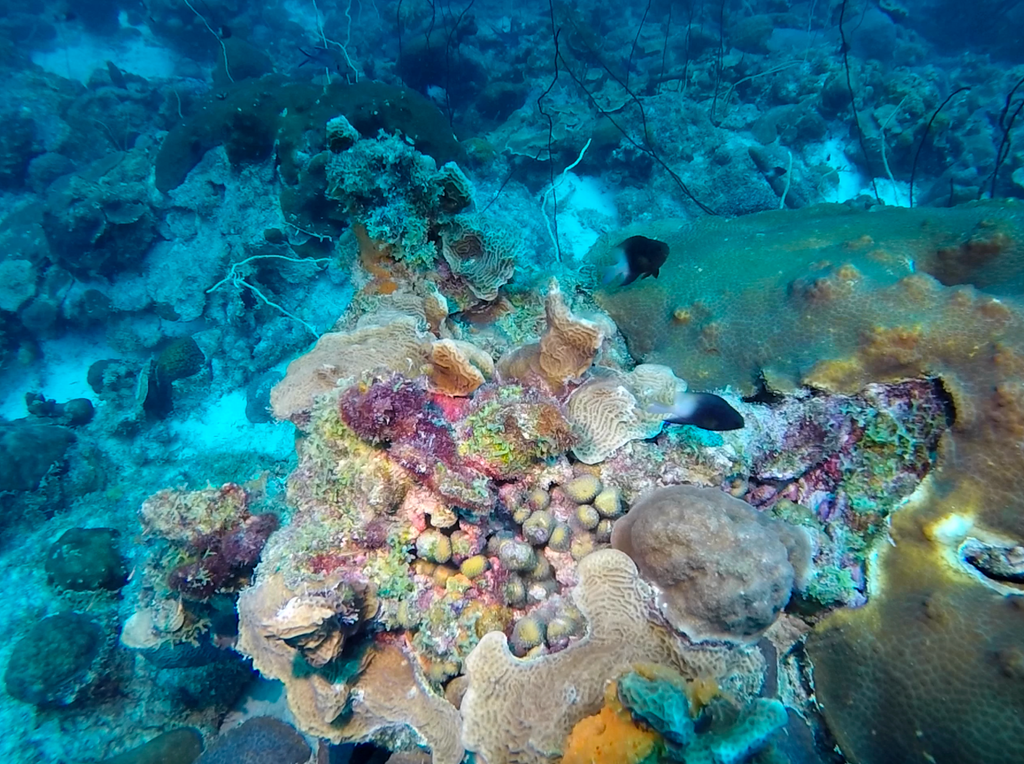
[[565, 352]]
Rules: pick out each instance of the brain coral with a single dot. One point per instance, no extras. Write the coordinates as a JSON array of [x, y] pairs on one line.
[[610, 411], [722, 567], [522, 711]]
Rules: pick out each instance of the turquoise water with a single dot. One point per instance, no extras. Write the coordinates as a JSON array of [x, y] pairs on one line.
[[348, 361]]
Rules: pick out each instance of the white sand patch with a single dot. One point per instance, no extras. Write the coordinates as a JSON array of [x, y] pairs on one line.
[[81, 57], [586, 209], [220, 426], [851, 181], [61, 373]]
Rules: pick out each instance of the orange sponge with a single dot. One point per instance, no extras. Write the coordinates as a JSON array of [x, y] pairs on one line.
[[611, 737]]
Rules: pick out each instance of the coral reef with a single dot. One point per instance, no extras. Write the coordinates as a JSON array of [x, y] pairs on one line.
[[931, 621], [497, 725]]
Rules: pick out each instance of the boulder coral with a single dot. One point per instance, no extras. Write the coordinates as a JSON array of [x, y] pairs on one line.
[[724, 571], [838, 300]]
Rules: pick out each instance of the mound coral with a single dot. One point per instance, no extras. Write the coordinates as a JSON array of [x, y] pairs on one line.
[[723, 569], [258, 740], [85, 559], [56, 660]]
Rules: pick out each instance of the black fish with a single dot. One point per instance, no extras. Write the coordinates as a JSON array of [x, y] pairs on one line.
[[638, 258], [704, 410]]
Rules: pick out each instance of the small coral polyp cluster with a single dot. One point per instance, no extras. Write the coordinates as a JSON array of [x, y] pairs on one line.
[[444, 520]]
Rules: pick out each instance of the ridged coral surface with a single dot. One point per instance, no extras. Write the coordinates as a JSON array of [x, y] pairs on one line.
[[566, 687]]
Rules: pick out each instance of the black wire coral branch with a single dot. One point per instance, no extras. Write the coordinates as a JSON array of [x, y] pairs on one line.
[[853, 100]]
